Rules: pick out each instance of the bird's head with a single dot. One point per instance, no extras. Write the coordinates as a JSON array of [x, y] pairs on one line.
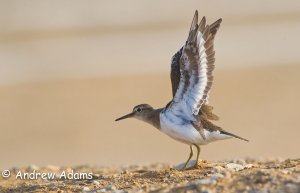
[[139, 112]]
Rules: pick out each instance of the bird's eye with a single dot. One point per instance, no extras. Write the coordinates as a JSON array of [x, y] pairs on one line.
[[138, 110]]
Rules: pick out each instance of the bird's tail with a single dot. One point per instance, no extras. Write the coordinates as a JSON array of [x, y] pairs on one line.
[[233, 135]]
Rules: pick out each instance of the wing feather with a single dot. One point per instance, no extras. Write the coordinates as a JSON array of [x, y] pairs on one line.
[[191, 69], [175, 70]]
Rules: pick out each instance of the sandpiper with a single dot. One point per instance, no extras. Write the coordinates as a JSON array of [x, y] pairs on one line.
[[187, 118]]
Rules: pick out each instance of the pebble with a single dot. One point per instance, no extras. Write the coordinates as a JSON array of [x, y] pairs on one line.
[[292, 187], [96, 175], [227, 174], [110, 188], [285, 171], [95, 182], [85, 189], [216, 176], [206, 191], [248, 166], [234, 167], [204, 181], [218, 169], [135, 167], [239, 161], [114, 191], [119, 191], [53, 168], [33, 167], [210, 180]]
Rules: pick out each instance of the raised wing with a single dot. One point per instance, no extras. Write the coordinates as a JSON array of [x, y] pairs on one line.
[[175, 66], [191, 69]]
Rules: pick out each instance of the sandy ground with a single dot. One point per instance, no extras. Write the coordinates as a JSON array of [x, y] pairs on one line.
[[72, 122], [231, 176], [65, 77]]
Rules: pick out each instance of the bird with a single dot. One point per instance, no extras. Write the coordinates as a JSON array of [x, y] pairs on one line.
[[188, 117]]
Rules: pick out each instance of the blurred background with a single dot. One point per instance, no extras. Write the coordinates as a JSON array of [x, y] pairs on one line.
[[69, 68]]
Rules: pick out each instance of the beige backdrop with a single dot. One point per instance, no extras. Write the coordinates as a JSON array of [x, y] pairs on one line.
[[69, 68]]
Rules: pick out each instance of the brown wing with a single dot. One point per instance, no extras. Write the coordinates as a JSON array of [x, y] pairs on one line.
[[206, 110], [175, 71]]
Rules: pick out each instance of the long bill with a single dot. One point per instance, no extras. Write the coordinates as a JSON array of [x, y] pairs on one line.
[[125, 116]]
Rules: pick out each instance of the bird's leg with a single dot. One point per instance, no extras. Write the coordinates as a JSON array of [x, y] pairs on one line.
[[198, 153], [190, 156]]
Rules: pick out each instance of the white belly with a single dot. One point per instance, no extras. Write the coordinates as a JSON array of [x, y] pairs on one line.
[[178, 130], [185, 131]]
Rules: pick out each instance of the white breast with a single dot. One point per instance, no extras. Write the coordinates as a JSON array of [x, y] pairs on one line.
[[184, 131], [179, 130]]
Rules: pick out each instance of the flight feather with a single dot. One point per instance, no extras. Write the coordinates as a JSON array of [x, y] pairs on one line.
[[191, 70]]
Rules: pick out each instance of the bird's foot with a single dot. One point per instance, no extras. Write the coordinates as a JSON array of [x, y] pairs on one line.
[[200, 164], [195, 166], [183, 168]]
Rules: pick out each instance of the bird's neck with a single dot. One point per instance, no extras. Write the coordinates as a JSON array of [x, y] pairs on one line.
[[153, 118]]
